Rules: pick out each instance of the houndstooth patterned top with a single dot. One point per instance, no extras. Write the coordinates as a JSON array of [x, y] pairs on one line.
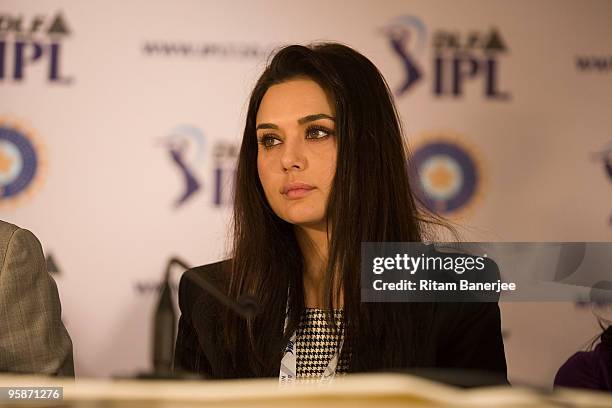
[[316, 344]]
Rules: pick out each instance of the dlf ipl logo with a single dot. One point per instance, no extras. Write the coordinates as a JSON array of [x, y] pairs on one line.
[[605, 156], [20, 162], [25, 41], [446, 172], [186, 149], [457, 58]]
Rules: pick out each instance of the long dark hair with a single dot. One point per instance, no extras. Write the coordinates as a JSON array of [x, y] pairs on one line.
[[601, 298], [370, 200], [606, 335]]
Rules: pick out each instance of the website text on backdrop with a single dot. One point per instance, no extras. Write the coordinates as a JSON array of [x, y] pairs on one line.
[[33, 338], [322, 168]]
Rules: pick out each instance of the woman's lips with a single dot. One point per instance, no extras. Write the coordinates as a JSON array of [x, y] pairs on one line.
[[296, 193], [296, 190]]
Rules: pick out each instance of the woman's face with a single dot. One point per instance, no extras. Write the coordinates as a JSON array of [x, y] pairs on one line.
[[296, 156]]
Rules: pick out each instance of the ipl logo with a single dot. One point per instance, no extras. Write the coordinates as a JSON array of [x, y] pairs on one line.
[[36, 40], [185, 145], [289, 348], [407, 35], [605, 155], [458, 58], [20, 162]]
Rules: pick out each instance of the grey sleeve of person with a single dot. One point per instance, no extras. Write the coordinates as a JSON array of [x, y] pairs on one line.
[[33, 338]]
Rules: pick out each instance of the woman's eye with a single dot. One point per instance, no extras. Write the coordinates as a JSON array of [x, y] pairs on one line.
[[317, 133], [269, 141]]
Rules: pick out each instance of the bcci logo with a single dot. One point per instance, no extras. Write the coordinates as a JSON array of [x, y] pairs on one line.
[[20, 162], [457, 58], [446, 175], [186, 149]]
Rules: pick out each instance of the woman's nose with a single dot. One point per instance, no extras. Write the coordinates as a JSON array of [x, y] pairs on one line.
[[293, 157]]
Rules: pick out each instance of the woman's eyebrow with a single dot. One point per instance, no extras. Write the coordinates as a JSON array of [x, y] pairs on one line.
[[266, 126], [312, 118], [301, 121]]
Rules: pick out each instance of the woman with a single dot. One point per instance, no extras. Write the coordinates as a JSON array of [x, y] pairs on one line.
[[322, 168], [592, 369], [589, 369]]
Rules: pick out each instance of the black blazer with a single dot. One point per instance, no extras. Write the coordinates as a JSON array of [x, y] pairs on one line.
[[464, 336]]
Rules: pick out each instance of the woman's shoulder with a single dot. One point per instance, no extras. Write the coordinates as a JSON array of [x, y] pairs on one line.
[[199, 343], [194, 281], [216, 271], [587, 369], [456, 312], [468, 336], [470, 320]]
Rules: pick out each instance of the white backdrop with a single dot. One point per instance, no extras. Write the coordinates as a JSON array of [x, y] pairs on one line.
[[134, 81]]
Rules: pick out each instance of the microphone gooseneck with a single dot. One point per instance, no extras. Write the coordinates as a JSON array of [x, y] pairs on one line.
[[164, 319]]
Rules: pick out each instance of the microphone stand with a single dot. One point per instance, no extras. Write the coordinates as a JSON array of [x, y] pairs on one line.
[[164, 323]]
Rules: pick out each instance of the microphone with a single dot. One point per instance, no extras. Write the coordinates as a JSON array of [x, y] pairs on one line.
[[164, 321], [164, 331], [164, 326]]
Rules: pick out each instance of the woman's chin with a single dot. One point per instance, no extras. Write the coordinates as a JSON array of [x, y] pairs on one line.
[[306, 220]]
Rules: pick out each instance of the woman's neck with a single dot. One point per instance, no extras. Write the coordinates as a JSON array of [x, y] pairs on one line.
[[314, 245]]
